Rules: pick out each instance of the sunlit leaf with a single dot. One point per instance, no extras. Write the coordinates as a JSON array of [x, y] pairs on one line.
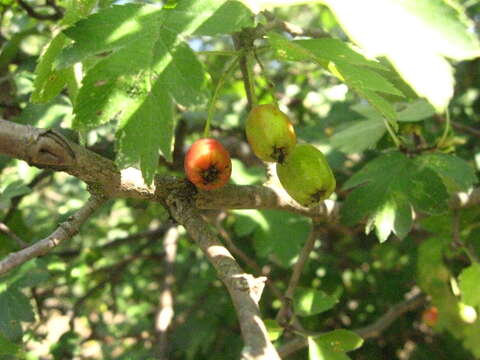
[[470, 285], [436, 29], [308, 302]]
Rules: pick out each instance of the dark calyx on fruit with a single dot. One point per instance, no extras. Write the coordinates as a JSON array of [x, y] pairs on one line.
[[317, 196], [279, 153], [210, 174]]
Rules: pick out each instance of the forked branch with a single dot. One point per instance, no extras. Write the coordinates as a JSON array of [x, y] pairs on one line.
[[65, 231], [245, 290]]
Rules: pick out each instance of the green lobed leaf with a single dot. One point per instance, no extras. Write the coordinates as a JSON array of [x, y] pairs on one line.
[[49, 81], [427, 191], [358, 136], [184, 77], [337, 51], [14, 308], [366, 79], [391, 185], [456, 173], [232, 16], [393, 216], [148, 129], [110, 29], [471, 339], [431, 269], [340, 340], [247, 221], [13, 189], [470, 285], [143, 65], [246, 175], [308, 302], [322, 351], [119, 26], [274, 329], [47, 115], [11, 47], [379, 103], [7, 347], [436, 29], [290, 50], [281, 235], [77, 9], [349, 66], [31, 274], [417, 110], [66, 345]]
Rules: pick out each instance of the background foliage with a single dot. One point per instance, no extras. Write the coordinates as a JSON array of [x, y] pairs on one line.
[[133, 81]]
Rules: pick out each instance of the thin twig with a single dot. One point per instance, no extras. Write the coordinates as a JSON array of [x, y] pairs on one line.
[[302, 260], [285, 313], [375, 329], [371, 331], [459, 126], [465, 128], [65, 231], [57, 15], [7, 231]]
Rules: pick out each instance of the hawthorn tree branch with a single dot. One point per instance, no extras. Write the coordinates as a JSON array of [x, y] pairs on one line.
[[245, 290], [371, 331], [65, 231], [374, 330], [48, 149], [263, 197]]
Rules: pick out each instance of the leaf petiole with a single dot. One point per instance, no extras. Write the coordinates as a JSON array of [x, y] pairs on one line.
[[221, 81], [392, 134]]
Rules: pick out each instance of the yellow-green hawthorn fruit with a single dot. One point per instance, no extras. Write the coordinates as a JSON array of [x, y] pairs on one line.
[[306, 175], [270, 133]]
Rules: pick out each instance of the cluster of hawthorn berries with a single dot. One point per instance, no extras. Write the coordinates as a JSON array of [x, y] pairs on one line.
[[302, 169]]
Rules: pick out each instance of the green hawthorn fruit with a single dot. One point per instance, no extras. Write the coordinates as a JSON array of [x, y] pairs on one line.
[[306, 175], [270, 133]]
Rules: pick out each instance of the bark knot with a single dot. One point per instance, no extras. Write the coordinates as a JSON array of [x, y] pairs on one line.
[[50, 149]]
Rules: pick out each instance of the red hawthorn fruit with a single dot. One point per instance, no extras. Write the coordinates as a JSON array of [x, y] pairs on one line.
[[207, 164], [430, 316]]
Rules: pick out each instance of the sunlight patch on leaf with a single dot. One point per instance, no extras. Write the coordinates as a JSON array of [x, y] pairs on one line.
[[435, 30]]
